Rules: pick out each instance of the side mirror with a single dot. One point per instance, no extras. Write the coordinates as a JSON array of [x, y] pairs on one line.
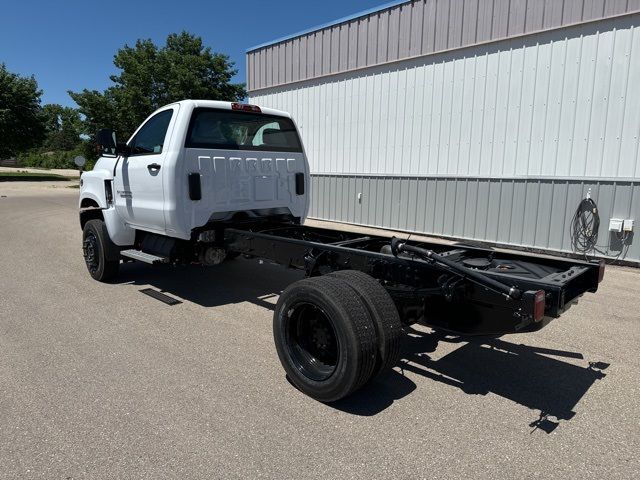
[[123, 149], [106, 140]]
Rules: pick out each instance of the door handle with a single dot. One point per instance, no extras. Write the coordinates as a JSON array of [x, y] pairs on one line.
[[153, 167]]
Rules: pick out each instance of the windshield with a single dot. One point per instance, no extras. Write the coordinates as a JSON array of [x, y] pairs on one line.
[[229, 130]]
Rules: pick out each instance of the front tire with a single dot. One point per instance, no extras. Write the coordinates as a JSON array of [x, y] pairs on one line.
[[101, 255], [325, 338]]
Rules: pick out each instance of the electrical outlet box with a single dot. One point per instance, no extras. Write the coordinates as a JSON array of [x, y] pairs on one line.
[[627, 225], [615, 225]]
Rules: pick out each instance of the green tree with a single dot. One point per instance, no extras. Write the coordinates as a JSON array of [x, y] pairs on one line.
[[152, 76], [63, 126], [21, 121]]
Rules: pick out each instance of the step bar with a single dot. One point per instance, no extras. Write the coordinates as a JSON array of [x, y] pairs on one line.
[[144, 257]]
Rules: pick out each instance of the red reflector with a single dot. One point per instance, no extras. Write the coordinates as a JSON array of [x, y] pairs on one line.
[[538, 306], [245, 107], [601, 270]]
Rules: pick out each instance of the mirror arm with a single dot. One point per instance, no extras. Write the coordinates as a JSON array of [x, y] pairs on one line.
[[123, 150]]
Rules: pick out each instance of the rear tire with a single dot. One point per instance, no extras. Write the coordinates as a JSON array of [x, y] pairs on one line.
[[101, 255], [324, 337], [384, 314]]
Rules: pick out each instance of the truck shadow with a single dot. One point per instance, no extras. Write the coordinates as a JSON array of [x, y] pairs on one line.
[[234, 281], [531, 376], [527, 375]]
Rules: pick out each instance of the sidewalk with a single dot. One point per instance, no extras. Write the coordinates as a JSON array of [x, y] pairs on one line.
[[66, 172]]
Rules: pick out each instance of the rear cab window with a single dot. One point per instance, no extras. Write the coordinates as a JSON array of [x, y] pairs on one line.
[[232, 130]]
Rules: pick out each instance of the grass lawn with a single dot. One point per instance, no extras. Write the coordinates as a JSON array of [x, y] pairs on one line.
[[31, 177]]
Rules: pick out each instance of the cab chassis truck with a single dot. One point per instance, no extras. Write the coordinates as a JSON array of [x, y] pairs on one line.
[[204, 182]]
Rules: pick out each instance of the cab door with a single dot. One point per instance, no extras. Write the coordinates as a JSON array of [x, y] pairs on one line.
[[139, 193]]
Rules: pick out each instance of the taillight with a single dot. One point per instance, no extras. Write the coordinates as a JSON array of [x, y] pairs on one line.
[[538, 305], [601, 266], [245, 107]]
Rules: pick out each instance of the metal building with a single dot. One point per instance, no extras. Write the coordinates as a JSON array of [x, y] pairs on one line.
[[469, 119]]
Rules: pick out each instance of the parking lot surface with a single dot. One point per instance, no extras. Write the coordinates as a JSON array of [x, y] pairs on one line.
[[102, 381]]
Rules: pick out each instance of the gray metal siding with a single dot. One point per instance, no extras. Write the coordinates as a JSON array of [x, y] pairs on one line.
[[416, 28], [530, 213]]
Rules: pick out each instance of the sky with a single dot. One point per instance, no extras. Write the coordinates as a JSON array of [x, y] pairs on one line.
[[70, 44]]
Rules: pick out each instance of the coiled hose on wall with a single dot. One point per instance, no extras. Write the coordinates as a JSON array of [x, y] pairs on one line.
[[584, 233], [584, 227]]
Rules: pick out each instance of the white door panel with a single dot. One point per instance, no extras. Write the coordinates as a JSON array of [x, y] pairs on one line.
[[139, 196]]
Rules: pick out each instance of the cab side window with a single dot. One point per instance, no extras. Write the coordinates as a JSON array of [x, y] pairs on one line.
[[150, 138]]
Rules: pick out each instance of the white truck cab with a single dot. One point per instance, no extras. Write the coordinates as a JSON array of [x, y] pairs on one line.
[[192, 164]]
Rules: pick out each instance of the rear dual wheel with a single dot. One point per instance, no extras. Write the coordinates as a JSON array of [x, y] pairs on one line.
[[383, 313], [328, 334]]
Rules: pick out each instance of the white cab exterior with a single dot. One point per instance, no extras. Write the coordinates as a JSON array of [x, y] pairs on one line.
[[151, 193]]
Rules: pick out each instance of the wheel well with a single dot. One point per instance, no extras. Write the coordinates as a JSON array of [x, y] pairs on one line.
[[87, 202], [89, 210]]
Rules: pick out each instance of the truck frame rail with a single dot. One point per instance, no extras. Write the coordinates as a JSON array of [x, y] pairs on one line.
[[464, 289]]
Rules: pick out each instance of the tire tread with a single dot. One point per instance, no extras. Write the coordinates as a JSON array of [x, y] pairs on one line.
[[384, 314], [108, 251]]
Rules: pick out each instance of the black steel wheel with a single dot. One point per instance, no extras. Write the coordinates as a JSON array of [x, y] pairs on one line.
[[324, 337], [384, 314], [313, 344], [101, 255]]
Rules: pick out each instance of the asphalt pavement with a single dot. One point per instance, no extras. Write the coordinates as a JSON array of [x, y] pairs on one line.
[[102, 381]]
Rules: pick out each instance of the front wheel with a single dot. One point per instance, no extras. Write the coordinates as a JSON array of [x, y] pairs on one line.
[[100, 254]]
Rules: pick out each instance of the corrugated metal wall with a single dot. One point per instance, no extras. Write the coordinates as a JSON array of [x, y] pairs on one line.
[[494, 142], [415, 28], [531, 213]]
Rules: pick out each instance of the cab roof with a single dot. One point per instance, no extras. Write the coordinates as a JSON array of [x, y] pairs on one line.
[[227, 106]]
